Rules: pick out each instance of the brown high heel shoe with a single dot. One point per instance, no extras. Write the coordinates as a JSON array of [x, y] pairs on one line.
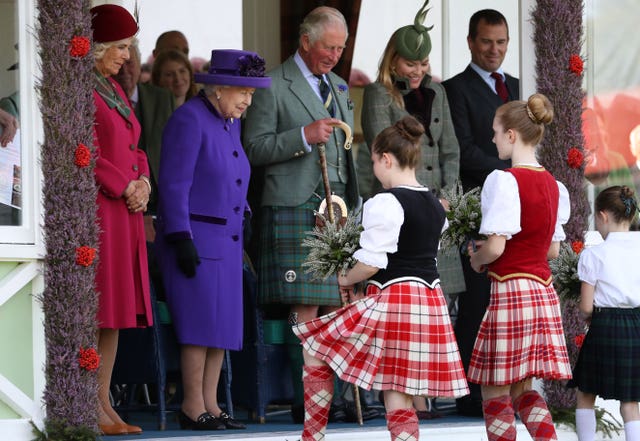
[[133, 430], [113, 429]]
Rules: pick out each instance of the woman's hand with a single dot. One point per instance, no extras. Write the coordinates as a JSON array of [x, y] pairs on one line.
[[136, 196], [9, 127]]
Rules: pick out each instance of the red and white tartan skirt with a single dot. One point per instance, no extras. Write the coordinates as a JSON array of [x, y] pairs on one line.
[[521, 335], [399, 337]]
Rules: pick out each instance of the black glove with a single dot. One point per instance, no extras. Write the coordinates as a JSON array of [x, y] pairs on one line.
[[187, 256]]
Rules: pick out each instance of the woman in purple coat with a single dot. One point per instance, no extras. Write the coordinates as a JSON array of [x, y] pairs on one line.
[[203, 182]]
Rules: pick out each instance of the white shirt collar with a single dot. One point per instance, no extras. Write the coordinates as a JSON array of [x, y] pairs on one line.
[[135, 96]]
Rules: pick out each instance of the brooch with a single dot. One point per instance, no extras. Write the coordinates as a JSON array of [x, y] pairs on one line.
[[350, 104]]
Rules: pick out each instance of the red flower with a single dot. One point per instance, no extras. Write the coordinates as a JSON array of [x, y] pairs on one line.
[[576, 65], [578, 340], [83, 156], [85, 255], [89, 359], [575, 158], [79, 46], [577, 246]]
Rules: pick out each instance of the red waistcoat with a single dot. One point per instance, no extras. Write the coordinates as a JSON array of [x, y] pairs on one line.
[[525, 254]]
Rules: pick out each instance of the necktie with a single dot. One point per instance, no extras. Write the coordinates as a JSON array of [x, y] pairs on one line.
[[325, 94], [501, 88]]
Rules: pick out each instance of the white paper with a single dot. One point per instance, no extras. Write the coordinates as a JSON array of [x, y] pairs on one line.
[[10, 173]]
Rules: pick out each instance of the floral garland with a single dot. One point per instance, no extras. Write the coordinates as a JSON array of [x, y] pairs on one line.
[[69, 299], [559, 77], [559, 68]]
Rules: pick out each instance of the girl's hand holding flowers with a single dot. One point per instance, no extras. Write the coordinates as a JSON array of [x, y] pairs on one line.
[[472, 250], [464, 216]]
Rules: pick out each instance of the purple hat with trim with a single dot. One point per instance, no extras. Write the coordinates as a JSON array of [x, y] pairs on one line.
[[232, 67]]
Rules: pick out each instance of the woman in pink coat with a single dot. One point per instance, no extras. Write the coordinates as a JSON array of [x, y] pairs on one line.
[[121, 172]]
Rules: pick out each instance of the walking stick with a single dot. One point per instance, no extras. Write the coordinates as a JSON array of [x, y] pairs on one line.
[[330, 215]]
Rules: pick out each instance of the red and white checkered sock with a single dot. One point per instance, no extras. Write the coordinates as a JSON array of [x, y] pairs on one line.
[[499, 419], [403, 424], [535, 415], [318, 392]]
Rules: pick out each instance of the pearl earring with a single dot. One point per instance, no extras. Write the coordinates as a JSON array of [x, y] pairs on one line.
[[218, 97]]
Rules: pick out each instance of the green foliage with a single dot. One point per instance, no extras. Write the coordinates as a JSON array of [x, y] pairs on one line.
[[331, 247], [565, 272], [464, 216], [606, 423], [62, 431]]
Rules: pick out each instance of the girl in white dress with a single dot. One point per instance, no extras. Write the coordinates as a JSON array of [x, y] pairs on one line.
[[521, 335], [609, 362]]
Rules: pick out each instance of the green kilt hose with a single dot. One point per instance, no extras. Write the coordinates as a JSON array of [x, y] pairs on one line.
[[609, 360], [281, 277]]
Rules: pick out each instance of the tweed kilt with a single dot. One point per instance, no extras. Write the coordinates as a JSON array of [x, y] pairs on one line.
[[521, 335], [281, 277], [609, 360], [399, 337]]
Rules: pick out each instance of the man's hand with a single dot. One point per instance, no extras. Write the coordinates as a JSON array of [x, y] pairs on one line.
[[320, 131]]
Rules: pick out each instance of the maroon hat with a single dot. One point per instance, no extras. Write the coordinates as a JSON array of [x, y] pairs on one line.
[[112, 23], [232, 67]]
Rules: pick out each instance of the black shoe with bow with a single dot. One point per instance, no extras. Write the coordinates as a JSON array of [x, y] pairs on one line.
[[229, 422], [205, 421]]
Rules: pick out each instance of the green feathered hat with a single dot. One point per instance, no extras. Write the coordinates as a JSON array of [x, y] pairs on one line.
[[413, 41]]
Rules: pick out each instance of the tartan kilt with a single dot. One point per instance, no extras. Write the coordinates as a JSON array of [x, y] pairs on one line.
[[609, 360], [521, 335], [281, 277], [399, 337]]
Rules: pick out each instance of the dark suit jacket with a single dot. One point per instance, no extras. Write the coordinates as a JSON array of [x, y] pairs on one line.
[[473, 105], [153, 109]]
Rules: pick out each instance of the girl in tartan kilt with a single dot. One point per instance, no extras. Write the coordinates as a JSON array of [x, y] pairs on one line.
[[398, 337], [609, 362], [521, 335]]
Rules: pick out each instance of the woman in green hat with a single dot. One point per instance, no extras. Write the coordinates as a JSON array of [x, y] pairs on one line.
[[404, 87]]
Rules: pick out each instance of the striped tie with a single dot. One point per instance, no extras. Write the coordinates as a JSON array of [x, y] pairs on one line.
[[325, 94]]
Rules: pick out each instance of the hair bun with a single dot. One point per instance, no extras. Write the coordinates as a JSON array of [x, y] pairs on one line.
[[410, 128], [626, 192], [539, 109]]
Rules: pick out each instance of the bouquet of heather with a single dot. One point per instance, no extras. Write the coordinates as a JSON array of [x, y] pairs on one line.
[[464, 216], [331, 247], [565, 272]]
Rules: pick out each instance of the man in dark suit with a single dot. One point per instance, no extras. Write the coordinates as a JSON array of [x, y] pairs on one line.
[[474, 95], [153, 106]]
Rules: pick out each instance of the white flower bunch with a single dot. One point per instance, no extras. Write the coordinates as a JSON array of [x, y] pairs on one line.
[[331, 247], [565, 272], [464, 216]]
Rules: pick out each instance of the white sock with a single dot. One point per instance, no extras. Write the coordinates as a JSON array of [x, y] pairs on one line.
[[586, 424], [632, 430]]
